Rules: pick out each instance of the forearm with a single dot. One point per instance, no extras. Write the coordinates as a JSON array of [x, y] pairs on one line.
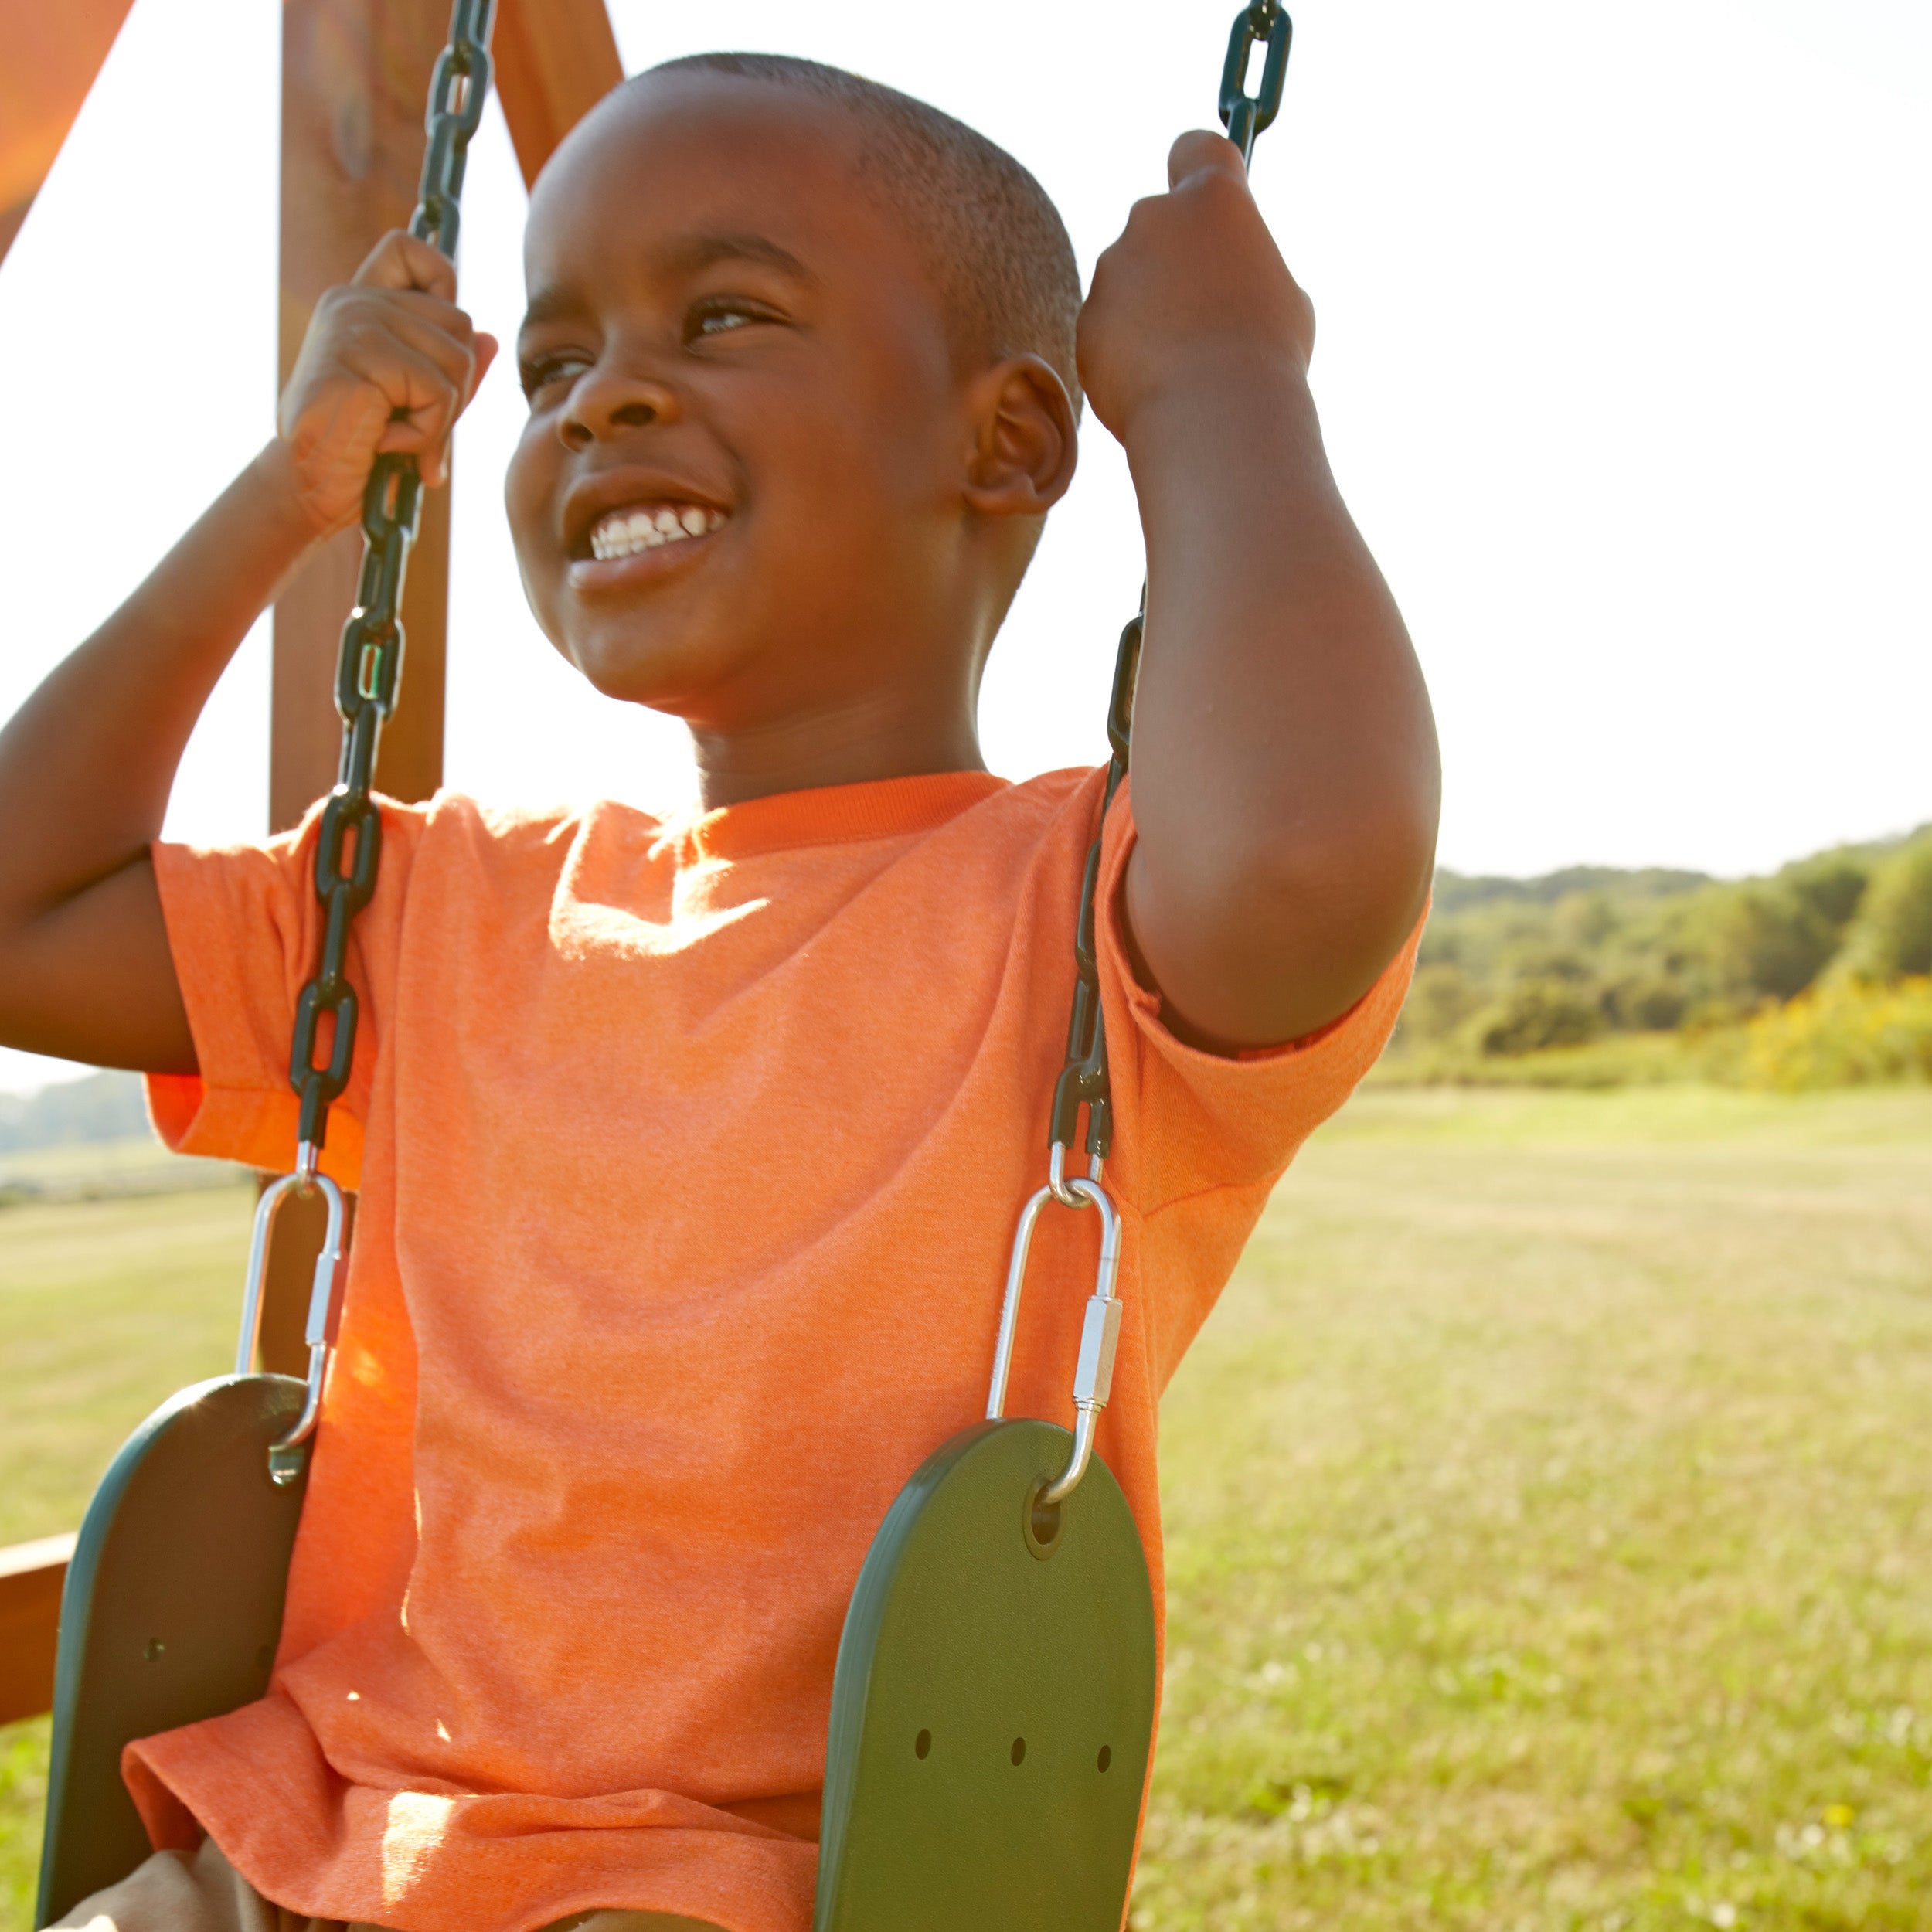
[[88, 761], [1285, 773], [86, 764]]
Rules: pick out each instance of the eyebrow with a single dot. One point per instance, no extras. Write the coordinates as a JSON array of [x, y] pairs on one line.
[[700, 251], [550, 305], [684, 258]]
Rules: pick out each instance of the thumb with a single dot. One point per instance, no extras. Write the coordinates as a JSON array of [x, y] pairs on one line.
[[399, 260], [487, 346], [1200, 152]]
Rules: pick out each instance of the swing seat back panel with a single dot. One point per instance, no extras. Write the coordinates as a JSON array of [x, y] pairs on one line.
[[993, 1709], [171, 1612]]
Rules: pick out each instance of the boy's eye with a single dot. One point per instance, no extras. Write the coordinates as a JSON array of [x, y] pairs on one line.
[[542, 372], [719, 316]]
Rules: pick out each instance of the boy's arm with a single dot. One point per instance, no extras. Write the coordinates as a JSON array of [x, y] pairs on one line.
[[1286, 782], [86, 764]]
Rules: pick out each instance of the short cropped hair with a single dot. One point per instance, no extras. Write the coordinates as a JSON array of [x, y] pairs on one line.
[[987, 232]]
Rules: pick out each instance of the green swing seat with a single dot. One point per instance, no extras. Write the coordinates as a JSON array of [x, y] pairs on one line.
[[171, 1612], [991, 1715], [993, 1704]]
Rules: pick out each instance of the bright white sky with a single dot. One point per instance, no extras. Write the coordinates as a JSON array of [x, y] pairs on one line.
[[1622, 362]]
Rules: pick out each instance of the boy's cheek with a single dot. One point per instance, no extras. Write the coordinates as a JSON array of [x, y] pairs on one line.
[[527, 486], [530, 486]]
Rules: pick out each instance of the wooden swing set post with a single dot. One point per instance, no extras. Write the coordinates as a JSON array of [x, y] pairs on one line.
[[354, 73]]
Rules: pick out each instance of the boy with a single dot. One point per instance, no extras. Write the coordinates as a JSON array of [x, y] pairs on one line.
[[689, 1152]]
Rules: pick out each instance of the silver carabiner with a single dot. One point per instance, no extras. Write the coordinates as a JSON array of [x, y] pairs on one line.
[[285, 1462], [1099, 1328]]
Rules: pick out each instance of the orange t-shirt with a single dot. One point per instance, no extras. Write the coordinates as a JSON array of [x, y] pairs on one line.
[[690, 1153]]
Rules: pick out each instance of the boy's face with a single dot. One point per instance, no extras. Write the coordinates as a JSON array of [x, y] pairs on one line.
[[740, 490]]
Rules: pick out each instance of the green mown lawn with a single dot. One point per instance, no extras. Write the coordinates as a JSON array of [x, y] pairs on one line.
[[106, 1306], [1550, 1512]]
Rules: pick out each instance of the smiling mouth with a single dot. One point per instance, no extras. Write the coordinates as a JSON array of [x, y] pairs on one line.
[[648, 526]]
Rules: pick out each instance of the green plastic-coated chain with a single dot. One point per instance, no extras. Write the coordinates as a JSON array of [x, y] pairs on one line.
[[1084, 1081], [1245, 115], [369, 668]]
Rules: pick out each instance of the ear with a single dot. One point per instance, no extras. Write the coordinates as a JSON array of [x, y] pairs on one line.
[[1024, 444]]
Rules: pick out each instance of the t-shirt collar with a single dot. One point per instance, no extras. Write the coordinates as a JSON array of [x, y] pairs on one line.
[[826, 815]]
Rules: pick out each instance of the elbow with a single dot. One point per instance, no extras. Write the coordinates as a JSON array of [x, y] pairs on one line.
[[1288, 927]]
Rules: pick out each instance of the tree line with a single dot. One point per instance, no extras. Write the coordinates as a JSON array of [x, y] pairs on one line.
[[1510, 967]]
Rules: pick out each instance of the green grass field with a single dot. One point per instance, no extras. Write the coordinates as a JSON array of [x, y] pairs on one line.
[[1549, 1512], [106, 1305]]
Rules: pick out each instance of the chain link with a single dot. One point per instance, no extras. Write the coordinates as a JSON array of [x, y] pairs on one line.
[[370, 666], [1245, 115], [1083, 1080]]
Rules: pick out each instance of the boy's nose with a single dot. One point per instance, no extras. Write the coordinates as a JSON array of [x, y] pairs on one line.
[[607, 403]]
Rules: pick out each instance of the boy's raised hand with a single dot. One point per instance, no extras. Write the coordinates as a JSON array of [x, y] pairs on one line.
[[1195, 274], [389, 363], [1285, 779], [86, 971]]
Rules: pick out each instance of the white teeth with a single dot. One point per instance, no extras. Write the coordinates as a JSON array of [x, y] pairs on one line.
[[623, 532]]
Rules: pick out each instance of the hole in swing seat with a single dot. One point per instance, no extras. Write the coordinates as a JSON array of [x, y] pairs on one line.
[[1041, 1522], [1106, 1756], [154, 1650], [923, 1744], [1019, 1750]]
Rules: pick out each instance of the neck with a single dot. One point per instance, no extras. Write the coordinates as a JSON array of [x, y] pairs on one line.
[[886, 734]]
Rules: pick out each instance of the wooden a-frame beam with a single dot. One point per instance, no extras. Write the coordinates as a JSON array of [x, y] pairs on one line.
[[556, 59], [355, 74], [50, 55]]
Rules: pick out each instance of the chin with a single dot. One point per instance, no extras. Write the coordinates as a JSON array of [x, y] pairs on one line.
[[661, 673]]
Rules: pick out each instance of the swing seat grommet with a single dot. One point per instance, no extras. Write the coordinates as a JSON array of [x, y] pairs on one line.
[[1040, 1523]]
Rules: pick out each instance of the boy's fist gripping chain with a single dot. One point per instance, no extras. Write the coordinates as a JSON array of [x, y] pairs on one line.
[[389, 363], [1195, 274]]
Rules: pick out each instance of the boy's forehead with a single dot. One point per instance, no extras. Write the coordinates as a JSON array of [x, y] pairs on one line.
[[673, 155]]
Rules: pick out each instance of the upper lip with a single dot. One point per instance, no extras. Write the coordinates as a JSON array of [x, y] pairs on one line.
[[593, 497]]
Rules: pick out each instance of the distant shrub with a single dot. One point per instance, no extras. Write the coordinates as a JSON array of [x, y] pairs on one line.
[[1535, 1015], [1647, 1003], [1441, 999], [1612, 1060], [1848, 1033]]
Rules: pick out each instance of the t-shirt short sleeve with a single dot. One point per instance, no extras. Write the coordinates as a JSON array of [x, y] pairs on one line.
[[243, 927], [1202, 1138]]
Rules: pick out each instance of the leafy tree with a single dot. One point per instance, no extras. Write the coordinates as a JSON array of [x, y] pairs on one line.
[[1440, 999], [1892, 936]]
